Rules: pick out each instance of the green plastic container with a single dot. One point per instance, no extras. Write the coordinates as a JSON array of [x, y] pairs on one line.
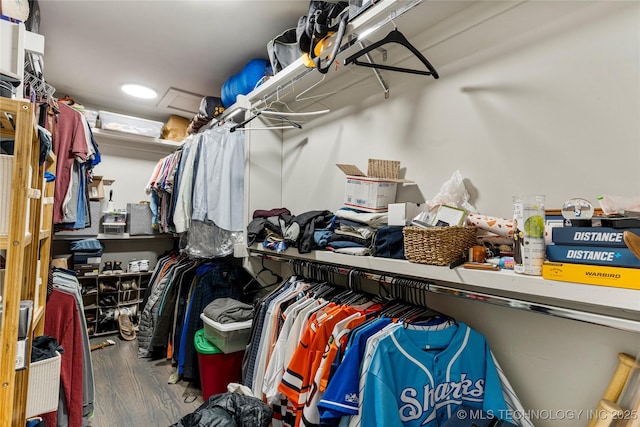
[[203, 345]]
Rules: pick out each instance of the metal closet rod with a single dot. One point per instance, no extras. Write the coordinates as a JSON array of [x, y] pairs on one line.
[[514, 303]]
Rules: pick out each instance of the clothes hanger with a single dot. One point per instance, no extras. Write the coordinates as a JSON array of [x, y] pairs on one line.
[[241, 125], [310, 88], [395, 36], [254, 279]]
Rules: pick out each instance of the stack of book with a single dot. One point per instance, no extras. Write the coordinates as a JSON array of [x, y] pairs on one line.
[[592, 255]]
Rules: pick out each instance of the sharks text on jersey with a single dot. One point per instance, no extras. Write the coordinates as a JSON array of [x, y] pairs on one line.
[[422, 402]]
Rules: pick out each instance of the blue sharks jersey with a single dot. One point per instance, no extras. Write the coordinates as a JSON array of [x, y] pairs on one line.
[[422, 377]]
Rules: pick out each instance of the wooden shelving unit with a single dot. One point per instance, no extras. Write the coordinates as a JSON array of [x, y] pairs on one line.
[[122, 293], [27, 248]]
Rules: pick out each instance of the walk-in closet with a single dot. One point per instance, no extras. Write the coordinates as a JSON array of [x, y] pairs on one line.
[[323, 216]]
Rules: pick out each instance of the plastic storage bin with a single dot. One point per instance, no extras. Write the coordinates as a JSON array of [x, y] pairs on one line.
[[130, 124], [114, 222], [217, 369], [117, 216], [228, 337], [113, 228], [44, 386]]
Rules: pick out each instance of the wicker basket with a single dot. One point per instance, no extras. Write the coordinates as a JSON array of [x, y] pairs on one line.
[[437, 245]]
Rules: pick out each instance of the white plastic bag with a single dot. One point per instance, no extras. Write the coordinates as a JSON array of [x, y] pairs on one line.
[[452, 193], [619, 204]]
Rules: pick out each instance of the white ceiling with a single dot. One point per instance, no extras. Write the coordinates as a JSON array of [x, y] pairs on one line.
[[94, 46]]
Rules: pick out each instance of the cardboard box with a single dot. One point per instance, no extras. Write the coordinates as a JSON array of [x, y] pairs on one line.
[[61, 261], [87, 269], [374, 191], [402, 213], [618, 277], [87, 258], [96, 187]]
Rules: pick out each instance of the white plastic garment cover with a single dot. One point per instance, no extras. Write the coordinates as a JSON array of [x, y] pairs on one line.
[[206, 240]]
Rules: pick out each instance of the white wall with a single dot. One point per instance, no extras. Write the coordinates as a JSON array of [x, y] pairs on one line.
[[554, 110], [131, 170], [554, 115]]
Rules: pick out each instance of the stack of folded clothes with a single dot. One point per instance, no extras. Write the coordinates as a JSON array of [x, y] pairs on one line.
[[228, 310], [351, 231]]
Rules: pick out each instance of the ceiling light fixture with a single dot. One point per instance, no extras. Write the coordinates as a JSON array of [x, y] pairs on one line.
[[139, 91]]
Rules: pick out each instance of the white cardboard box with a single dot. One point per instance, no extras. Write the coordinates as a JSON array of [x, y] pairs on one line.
[[402, 213], [369, 194], [374, 191]]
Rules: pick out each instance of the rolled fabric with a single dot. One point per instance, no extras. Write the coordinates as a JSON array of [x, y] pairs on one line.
[[500, 226], [494, 239]]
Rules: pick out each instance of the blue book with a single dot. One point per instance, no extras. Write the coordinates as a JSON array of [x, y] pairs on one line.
[[590, 236], [595, 255]]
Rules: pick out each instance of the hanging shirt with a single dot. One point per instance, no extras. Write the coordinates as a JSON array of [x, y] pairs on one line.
[[182, 208], [69, 142], [218, 188], [423, 376]]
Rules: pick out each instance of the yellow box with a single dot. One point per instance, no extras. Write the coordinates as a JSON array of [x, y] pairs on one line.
[[618, 277]]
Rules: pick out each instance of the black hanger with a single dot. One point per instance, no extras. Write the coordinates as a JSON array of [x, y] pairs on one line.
[[257, 114], [264, 269], [394, 36]]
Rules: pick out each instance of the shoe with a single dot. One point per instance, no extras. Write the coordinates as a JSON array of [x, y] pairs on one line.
[[89, 289], [134, 266], [90, 330], [632, 241], [106, 287], [125, 286], [108, 268], [105, 316], [127, 331], [117, 267], [144, 265], [107, 301]]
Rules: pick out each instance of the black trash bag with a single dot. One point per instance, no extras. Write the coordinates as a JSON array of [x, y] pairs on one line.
[[229, 410]]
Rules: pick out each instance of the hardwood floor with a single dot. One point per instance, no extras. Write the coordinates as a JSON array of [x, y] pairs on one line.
[[134, 392]]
